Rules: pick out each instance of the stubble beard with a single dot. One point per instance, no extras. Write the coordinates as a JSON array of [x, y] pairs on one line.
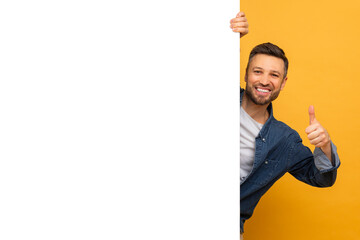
[[260, 100]]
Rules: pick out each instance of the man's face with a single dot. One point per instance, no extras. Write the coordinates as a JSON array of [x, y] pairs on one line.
[[264, 79]]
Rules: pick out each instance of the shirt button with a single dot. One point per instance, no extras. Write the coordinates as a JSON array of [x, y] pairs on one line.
[[263, 140], [266, 162]]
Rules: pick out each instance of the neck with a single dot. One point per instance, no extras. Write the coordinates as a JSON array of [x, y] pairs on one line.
[[257, 112]]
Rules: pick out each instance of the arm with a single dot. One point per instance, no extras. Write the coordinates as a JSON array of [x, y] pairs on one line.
[[240, 24], [318, 169], [313, 169]]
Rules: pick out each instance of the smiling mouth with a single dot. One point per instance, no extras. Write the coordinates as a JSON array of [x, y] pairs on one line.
[[262, 90]]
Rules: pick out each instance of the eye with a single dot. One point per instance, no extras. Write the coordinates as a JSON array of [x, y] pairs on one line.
[[257, 71], [275, 75]]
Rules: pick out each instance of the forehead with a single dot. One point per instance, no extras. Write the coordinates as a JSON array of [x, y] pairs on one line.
[[267, 62]]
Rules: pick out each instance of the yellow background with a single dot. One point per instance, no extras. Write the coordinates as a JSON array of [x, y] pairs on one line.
[[322, 42]]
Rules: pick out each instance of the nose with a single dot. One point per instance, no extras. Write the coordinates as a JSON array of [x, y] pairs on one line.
[[265, 79]]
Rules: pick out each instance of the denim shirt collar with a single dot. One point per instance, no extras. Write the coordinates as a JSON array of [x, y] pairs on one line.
[[265, 129]]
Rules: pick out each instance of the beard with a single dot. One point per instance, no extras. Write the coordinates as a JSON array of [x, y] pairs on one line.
[[259, 100]]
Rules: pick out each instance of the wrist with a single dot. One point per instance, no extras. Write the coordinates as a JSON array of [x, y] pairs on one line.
[[326, 148], [327, 151]]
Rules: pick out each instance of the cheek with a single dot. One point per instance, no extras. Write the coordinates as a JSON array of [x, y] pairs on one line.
[[277, 84], [282, 85], [252, 79]]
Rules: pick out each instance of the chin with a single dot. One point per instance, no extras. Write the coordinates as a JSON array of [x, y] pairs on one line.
[[265, 102], [259, 100]]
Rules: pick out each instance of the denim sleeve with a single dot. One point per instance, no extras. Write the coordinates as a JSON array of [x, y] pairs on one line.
[[323, 163], [313, 169]]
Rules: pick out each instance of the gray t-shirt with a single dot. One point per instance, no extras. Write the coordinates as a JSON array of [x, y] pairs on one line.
[[249, 129]]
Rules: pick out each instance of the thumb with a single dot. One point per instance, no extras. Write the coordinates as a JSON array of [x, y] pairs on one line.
[[311, 114]]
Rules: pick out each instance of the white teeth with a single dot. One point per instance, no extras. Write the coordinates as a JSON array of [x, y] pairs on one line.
[[262, 90]]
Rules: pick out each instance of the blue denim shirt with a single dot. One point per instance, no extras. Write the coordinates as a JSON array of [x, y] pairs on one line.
[[279, 150]]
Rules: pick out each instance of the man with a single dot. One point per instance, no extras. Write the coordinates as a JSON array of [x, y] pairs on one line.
[[269, 148]]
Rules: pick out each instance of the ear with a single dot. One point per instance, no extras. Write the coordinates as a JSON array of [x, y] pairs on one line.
[[246, 77], [283, 83]]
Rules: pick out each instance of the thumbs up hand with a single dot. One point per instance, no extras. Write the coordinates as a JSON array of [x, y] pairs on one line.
[[317, 134]]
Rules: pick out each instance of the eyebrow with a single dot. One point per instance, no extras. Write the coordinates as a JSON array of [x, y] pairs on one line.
[[274, 71]]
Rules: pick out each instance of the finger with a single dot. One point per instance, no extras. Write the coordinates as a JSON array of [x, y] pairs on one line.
[[321, 138], [321, 144], [240, 14], [311, 114], [241, 19], [240, 25], [241, 30], [311, 128], [313, 135], [316, 141]]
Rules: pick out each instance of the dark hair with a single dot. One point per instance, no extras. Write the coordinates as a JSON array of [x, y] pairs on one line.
[[271, 50]]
